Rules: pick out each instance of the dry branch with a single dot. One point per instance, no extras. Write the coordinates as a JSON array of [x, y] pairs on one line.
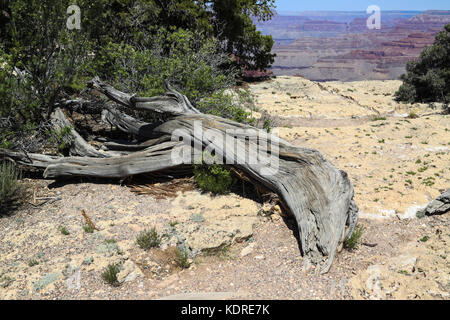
[[319, 195]]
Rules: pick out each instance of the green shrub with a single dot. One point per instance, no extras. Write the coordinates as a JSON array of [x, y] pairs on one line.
[[191, 63], [33, 262], [109, 274], [62, 139], [428, 78], [148, 239], [182, 258], [412, 115], [63, 230], [88, 228], [223, 104], [213, 178], [11, 189], [352, 242]]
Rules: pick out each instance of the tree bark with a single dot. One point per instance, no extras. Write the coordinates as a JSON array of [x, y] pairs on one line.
[[317, 194]]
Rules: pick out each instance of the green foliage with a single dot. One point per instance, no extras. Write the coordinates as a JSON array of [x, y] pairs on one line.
[[62, 139], [412, 115], [192, 63], [63, 230], [88, 228], [267, 125], [182, 258], [109, 274], [428, 78], [233, 23], [33, 262], [10, 188], [48, 56], [352, 242], [148, 239], [198, 46], [213, 178], [223, 104]]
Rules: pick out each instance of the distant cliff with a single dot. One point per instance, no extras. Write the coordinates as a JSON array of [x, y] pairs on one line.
[[338, 46]]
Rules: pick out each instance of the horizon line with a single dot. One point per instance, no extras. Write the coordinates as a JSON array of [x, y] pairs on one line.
[[353, 11]]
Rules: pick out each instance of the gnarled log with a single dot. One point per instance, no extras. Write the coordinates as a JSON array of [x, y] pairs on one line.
[[319, 195]]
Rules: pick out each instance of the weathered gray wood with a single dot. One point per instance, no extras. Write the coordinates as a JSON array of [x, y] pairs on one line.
[[319, 195], [79, 147], [172, 102], [127, 123], [110, 145]]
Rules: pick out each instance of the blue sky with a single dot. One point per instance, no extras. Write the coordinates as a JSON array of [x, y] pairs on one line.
[[360, 5]]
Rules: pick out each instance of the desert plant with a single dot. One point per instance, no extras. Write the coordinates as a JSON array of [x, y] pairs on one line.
[[63, 230], [88, 228], [352, 242], [109, 274], [412, 115], [33, 262], [182, 258], [428, 78], [62, 139], [148, 239], [213, 178], [10, 187]]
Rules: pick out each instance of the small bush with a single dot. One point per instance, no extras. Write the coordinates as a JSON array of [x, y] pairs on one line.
[[412, 115], [10, 188], [428, 78], [182, 258], [213, 178], [109, 274], [63, 230], [223, 104], [62, 139], [352, 242], [148, 239], [33, 262], [88, 228]]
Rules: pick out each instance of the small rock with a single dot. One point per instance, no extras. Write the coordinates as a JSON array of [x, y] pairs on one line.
[[248, 249], [129, 272], [439, 206]]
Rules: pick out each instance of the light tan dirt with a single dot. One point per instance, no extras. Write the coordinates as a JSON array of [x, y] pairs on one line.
[[397, 165]]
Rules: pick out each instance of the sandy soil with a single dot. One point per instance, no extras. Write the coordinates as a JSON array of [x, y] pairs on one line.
[[396, 164]]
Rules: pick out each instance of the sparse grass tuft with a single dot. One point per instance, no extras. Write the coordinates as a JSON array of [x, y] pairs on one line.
[[182, 258], [109, 274], [173, 223], [148, 239], [88, 228], [412, 115], [63, 230], [33, 262], [352, 242], [10, 187]]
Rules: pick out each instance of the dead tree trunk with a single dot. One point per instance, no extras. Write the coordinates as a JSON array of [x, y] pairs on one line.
[[319, 195]]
